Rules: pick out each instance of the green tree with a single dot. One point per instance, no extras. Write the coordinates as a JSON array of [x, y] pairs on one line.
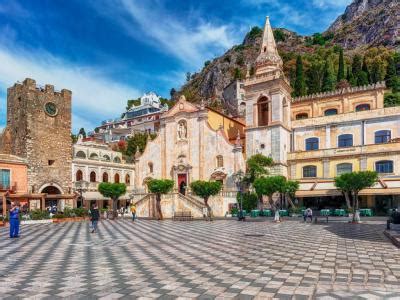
[[131, 103], [257, 166], [113, 191], [83, 132], [391, 77], [188, 76], [365, 69], [357, 64], [340, 74], [314, 77], [279, 35], [300, 83], [328, 83], [267, 186], [136, 143], [159, 187], [74, 138], [392, 99], [350, 184], [350, 77], [362, 78], [206, 189], [250, 200], [289, 190]]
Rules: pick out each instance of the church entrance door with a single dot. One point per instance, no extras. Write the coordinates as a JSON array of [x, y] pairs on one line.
[[182, 183]]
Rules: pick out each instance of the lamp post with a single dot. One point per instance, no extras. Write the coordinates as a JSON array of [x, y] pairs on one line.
[[81, 186], [238, 177]]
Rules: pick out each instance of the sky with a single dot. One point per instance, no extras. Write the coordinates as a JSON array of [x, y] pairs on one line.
[[108, 51]]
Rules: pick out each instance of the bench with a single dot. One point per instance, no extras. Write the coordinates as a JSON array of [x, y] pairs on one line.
[[183, 216]]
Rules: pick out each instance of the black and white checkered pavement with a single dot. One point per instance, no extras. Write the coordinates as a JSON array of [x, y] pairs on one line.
[[205, 260]]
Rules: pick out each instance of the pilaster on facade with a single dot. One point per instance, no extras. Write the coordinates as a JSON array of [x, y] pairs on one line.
[[326, 167], [363, 163]]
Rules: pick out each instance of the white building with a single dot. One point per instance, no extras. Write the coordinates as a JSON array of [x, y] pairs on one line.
[[94, 162], [141, 118]]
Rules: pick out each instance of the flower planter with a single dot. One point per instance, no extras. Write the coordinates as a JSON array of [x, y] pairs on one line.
[[70, 219]]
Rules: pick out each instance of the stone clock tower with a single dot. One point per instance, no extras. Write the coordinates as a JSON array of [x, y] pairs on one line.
[[267, 96], [39, 124]]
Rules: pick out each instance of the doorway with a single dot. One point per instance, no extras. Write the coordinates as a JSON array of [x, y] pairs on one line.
[[182, 183]]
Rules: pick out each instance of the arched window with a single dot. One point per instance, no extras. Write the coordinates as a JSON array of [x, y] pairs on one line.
[[150, 164], [382, 136], [117, 159], [362, 107], [116, 178], [105, 177], [310, 171], [331, 112], [220, 161], [384, 166], [345, 140], [127, 179], [79, 175], [344, 168], [312, 143], [93, 176], [262, 107], [80, 154], [302, 116], [94, 156], [106, 157]]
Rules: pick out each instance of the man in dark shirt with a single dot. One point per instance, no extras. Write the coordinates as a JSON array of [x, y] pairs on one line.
[[94, 217]]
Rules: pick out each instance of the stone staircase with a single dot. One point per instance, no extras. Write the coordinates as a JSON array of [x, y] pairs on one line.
[[194, 202]]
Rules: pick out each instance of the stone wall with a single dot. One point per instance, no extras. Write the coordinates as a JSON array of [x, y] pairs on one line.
[[44, 140]]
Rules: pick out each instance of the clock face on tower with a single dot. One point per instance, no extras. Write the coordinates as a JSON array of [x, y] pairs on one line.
[[51, 109]]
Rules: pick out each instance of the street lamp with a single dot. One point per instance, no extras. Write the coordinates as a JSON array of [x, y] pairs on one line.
[[81, 186], [238, 177]]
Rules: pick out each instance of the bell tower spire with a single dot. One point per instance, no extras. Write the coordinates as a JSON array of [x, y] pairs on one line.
[[268, 59]]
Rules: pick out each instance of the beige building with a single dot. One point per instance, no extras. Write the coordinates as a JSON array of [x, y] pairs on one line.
[[315, 138], [194, 143], [94, 162]]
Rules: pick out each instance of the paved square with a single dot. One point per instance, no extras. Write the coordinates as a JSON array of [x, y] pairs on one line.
[[198, 259]]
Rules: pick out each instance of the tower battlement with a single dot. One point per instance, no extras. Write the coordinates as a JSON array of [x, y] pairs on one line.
[[29, 84]]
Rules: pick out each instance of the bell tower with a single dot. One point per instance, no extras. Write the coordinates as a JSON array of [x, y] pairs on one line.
[[267, 97]]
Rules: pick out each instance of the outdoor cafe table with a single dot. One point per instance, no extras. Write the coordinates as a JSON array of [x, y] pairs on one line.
[[365, 212], [340, 212], [325, 212], [255, 213], [283, 212], [267, 212]]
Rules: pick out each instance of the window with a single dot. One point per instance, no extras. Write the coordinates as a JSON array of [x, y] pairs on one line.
[[344, 168], [93, 176], [4, 179], [384, 166], [127, 179], [345, 140], [262, 107], [105, 177], [117, 160], [362, 107], [312, 144], [80, 154], [220, 161], [310, 171], [382, 136], [150, 167], [116, 178], [331, 112], [79, 175], [94, 156], [106, 157], [51, 162], [302, 116]]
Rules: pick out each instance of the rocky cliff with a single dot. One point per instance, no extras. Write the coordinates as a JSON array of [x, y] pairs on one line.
[[364, 24]]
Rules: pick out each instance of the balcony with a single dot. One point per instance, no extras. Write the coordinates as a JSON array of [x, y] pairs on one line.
[[348, 151]]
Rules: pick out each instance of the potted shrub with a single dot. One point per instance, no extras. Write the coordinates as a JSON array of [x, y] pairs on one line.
[[3, 220]]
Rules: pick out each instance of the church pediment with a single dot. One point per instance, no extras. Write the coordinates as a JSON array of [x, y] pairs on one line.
[[181, 106]]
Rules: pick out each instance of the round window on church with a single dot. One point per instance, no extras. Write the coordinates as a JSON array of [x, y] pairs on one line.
[[51, 109]]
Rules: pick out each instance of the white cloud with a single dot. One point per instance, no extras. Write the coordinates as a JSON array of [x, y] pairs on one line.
[[94, 97], [190, 39]]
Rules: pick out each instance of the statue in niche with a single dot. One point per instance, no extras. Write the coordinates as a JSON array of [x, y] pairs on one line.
[[182, 130]]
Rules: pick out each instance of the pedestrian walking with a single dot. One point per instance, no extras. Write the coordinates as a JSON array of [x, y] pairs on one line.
[[133, 211], [308, 215], [14, 220], [94, 217]]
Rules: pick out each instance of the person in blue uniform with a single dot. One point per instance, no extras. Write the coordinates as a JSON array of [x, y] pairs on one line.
[[14, 220]]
